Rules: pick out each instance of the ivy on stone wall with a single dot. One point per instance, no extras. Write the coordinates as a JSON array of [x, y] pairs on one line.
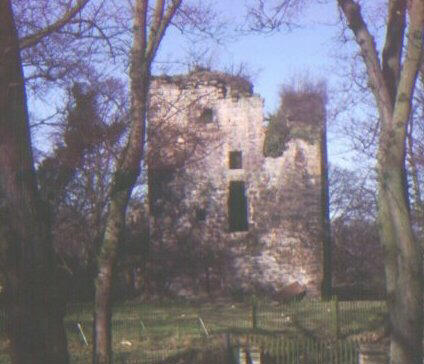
[[277, 135], [300, 116]]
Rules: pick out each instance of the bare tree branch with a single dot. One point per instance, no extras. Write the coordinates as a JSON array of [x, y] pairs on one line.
[[366, 42], [269, 18], [392, 52], [33, 39], [155, 40]]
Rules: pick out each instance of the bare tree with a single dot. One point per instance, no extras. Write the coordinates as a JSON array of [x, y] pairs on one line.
[[64, 41], [31, 276], [392, 81], [50, 35], [358, 269], [149, 27], [75, 177], [271, 16]]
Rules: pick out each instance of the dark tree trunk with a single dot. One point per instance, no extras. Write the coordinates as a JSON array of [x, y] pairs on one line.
[[102, 353], [34, 307]]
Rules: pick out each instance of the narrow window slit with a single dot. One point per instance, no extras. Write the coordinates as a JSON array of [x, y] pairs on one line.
[[237, 207]]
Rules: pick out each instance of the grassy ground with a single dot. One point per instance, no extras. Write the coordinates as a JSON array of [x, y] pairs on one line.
[[155, 333]]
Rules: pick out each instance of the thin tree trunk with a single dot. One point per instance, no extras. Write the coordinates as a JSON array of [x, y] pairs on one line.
[[124, 178], [123, 183], [34, 306], [145, 46]]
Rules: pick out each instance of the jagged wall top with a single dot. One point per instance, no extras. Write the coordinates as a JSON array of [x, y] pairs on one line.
[[230, 84]]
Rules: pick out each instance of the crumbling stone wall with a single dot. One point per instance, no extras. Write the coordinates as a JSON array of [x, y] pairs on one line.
[[205, 160]]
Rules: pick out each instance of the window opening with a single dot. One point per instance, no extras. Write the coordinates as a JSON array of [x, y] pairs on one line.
[[200, 214], [237, 207], [159, 192], [236, 161], [206, 116]]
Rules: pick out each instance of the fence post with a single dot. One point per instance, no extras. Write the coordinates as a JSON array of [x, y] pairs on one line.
[[254, 313], [231, 352], [336, 317]]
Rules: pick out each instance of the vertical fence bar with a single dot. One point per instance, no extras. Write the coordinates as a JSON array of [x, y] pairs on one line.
[[281, 352], [336, 318], [254, 313]]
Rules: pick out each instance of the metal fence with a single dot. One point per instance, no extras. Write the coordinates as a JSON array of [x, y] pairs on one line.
[[306, 332]]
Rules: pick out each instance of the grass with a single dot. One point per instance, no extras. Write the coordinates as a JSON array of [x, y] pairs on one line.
[[155, 333]]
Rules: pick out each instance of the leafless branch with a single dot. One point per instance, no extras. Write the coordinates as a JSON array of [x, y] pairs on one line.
[[32, 39]]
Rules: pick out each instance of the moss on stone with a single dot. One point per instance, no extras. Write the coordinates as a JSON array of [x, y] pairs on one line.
[[278, 135], [300, 116], [204, 76], [308, 133]]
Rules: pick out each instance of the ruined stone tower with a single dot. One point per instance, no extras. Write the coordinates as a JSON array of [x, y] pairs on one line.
[[233, 219]]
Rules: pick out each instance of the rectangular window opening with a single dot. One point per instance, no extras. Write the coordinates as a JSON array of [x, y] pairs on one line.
[[200, 214], [159, 192], [206, 116], [237, 207], [236, 161]]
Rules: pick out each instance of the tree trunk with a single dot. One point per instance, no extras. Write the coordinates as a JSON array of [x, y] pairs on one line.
[[123, 182], [404, 264], [393, 84], [124, 178], [145, 45], [34, 306], [103, 285], [403, 270]]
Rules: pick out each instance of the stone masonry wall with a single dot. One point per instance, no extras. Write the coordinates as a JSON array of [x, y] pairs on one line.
[[195, 122]]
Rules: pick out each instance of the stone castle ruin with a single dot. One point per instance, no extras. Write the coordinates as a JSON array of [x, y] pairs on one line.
[[227, 210]]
